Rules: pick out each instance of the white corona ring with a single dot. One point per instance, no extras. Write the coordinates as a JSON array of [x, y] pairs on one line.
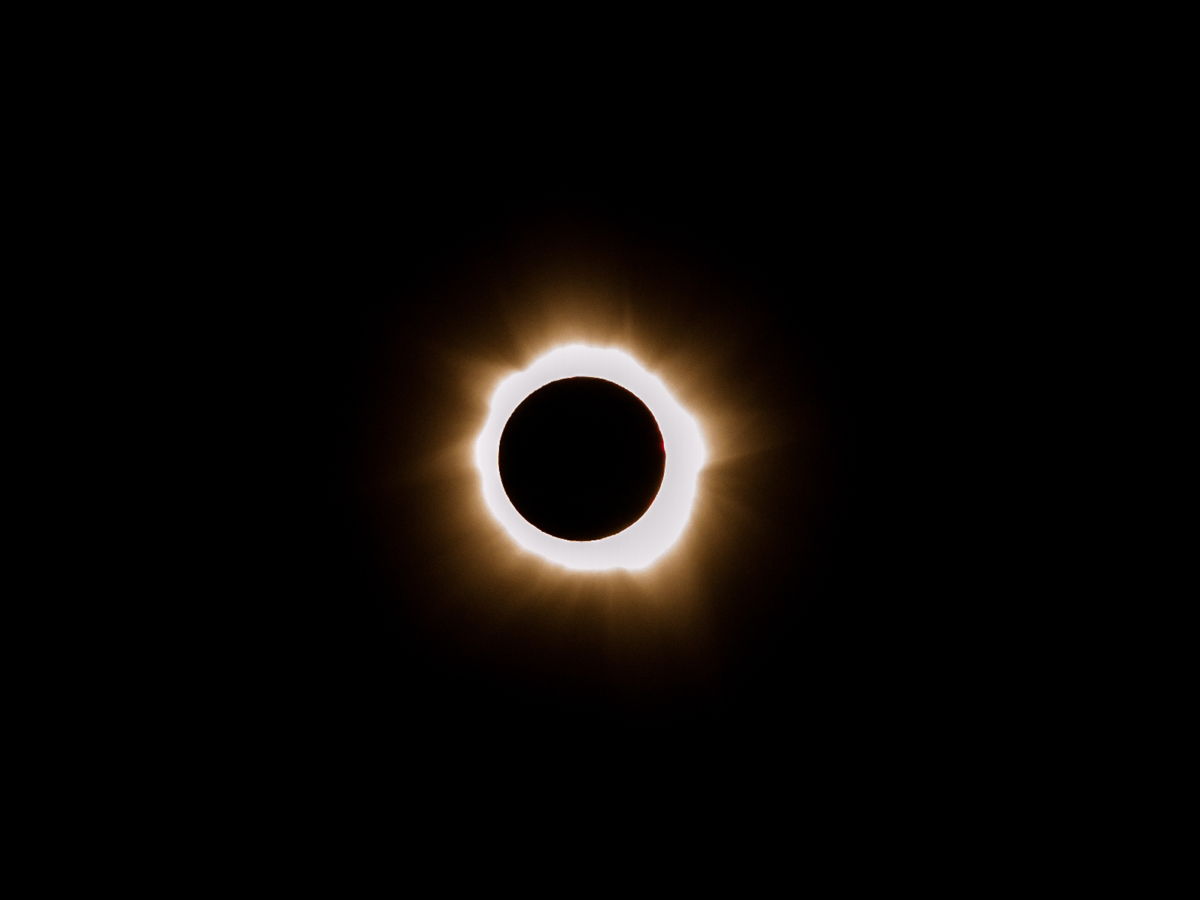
[[643, 542]]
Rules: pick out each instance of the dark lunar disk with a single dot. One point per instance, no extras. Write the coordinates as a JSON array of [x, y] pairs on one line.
[[581, 458]]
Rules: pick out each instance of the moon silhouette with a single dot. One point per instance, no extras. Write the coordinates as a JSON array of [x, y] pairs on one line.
[[581, 458]]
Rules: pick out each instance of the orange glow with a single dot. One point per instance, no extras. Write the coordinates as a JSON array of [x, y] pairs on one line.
[[483, 583]]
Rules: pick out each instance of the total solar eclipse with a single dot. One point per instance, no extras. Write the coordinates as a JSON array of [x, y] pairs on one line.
[[581, 458], [587, 460]]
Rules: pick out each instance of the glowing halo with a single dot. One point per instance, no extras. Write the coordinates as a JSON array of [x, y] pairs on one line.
[[660, 526]]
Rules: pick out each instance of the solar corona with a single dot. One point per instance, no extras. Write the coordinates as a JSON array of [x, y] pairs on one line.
[[639, 544]]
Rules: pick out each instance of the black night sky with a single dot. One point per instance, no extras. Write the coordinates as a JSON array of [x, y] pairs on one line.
[[834, 275]]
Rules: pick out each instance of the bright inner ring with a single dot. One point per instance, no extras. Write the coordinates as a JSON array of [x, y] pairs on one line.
[[660, 526]]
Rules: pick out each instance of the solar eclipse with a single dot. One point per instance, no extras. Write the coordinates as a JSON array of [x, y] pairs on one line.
[[444, 552], [587, 460]]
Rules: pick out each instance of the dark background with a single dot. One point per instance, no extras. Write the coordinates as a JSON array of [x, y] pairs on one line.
[[867, 240], [291, 245], [850, 625]]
